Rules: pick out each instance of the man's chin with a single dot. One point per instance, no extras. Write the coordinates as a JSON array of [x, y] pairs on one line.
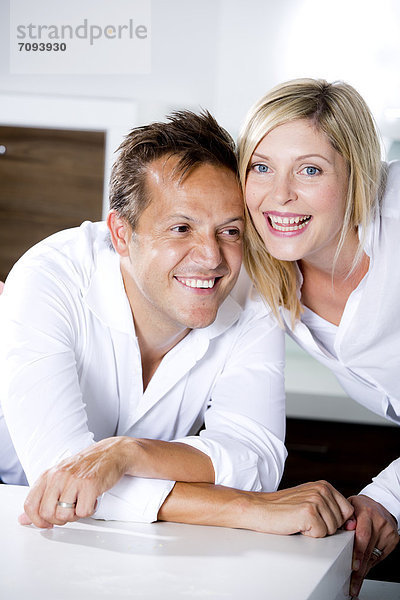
[[201, 321]]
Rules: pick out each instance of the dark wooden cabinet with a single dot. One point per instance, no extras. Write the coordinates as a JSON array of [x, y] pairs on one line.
[[51, 179], [347, 455]]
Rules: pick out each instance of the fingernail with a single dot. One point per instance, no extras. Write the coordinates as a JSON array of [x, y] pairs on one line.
[[356, 565], [354, 591]]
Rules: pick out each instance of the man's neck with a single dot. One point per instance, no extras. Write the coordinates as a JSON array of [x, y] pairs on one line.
[[155, 336], [153, 348]]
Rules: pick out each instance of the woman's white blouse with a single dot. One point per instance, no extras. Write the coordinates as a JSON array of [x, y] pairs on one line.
[[366, 354]]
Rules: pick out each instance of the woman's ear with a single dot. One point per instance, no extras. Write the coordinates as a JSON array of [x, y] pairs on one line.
[[120, 231]]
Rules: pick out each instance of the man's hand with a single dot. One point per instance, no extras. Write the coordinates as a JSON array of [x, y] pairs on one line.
[[85, 476], [79, 479], [376, 528], [313, 509]]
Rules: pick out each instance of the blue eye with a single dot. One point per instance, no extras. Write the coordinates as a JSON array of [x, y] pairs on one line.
[[311, 170], [261, 168]]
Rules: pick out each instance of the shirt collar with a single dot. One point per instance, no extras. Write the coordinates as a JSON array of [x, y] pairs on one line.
[[196, 343], [106, 295], [227, 315]]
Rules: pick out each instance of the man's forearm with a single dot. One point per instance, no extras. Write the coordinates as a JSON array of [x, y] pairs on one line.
[[157, 459], [205, 504], [84, 477], [314, 509]]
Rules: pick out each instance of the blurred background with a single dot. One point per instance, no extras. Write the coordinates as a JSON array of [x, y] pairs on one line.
[[58, 134]]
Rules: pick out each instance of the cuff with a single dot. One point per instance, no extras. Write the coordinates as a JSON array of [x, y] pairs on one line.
[[234, 465], [133, 499], [385, 497]]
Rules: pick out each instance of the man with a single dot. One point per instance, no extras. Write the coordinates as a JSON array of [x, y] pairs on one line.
[[114, 355]]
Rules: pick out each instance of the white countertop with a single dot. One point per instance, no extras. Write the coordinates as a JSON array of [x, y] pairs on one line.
[[95, 559]]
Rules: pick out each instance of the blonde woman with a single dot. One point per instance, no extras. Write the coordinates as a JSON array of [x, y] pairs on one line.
[[323, 249]]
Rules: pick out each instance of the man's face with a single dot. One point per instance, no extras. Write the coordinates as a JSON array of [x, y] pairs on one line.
[[186, 251]]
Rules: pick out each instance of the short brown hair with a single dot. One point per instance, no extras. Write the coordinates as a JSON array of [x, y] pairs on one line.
[[193, 138]]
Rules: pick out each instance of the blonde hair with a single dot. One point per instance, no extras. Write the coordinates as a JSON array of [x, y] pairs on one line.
[[339, 111]]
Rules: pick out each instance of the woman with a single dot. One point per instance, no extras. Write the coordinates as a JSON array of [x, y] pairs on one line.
[[323, 222]]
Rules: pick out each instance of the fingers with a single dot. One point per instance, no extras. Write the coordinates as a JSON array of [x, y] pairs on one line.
[[42, 503], [376, 528], [363, 545], [79, 479], [86, 504], [329, 510], [24, 519], [350, 524], [54, 491], [313, 509], [32, 504], [346, 508]]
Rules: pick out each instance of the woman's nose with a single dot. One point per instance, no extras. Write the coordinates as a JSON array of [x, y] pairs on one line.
[[284, 189]]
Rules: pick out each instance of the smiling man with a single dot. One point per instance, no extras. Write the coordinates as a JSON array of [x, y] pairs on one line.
[[120, 337], [120, 340]]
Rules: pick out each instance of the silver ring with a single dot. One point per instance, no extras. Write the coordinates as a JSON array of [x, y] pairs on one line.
[[66, 504], [376, 553]]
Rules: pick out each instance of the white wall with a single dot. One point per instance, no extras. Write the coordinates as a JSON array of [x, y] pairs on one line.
[[224, 54], [262, 43], [184, 47]]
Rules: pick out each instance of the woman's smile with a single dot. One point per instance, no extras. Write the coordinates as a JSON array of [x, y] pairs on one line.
[[286, 224], [296, 192]]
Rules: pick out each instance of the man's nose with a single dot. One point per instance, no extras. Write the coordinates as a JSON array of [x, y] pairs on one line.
[[206, 252]]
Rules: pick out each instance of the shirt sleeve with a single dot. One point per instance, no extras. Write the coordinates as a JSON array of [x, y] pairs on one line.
[[245, 422], [385, 489], [47, 415], [41, 397], [40, 392]]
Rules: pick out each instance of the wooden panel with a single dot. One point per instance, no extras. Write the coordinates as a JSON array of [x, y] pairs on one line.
[[50, 180]]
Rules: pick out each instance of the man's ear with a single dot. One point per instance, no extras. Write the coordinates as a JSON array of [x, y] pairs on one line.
[[121, 233]]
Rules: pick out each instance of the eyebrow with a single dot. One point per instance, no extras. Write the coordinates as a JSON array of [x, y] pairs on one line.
[[302, 157], [192, 220]]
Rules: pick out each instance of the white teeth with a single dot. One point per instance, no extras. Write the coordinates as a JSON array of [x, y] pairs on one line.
[[303, 220], [198, 283], [294, 228], [287, 220]]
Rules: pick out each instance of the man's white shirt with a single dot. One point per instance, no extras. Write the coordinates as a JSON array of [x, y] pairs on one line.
[[71, 375]]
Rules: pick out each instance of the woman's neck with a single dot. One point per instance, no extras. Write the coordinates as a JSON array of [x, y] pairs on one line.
[[327, 287]]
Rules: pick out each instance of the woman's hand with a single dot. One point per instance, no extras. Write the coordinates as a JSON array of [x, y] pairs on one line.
[[375, 528]]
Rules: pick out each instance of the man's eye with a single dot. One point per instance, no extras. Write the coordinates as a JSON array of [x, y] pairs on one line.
[[311, 171], [231, 232], [180, 228]]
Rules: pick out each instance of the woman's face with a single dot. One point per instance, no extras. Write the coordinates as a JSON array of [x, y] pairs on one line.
[[296, 193]]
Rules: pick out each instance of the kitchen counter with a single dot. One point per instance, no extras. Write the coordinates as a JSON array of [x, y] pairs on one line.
[[93, 559]]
